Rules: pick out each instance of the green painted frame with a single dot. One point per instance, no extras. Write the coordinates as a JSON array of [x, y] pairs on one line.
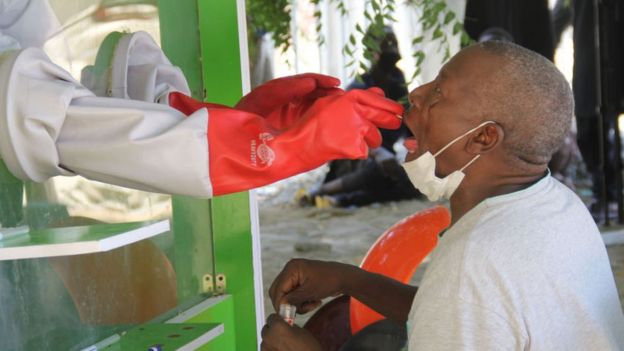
[[203, 38]]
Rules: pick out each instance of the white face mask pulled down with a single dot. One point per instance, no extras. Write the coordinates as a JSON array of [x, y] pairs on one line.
[[421, 172]]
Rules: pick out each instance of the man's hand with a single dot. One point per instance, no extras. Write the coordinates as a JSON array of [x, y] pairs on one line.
[[277, 335], [304, 283]]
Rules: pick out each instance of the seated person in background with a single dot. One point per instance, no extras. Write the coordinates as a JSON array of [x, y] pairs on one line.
[[523, 265], [379, 178]]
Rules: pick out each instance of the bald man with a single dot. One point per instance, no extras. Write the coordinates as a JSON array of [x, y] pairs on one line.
[[523, 266]]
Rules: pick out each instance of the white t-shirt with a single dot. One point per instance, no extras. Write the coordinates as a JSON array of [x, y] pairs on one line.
[[522, 271]]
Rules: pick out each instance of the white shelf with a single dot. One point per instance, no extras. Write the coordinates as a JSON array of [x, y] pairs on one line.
[[67, 241]]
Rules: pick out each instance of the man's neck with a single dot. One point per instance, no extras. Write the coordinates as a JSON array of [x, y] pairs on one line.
[[470, 195]]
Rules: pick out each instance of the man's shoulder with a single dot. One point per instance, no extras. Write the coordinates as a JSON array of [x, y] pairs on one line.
[[542, 225], [551, 207]]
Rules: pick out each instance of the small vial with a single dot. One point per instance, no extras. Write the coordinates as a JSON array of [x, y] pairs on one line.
[[288, 313]]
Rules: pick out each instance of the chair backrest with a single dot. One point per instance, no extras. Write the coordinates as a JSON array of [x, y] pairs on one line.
[[397, 254]]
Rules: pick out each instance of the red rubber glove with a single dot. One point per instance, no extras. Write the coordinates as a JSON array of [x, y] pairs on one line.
[[246, 152], [283, 100], [188, 105], [280, 101]]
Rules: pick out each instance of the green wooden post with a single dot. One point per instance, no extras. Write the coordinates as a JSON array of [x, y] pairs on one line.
[[191, 217], [203, 38]]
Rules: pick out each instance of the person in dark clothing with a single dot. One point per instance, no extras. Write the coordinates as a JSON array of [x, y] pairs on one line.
[[587, 87], [528, 22], [584, 85], [380, 177], [386, 75]]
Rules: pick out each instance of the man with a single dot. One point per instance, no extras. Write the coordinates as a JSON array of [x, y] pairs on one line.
[[52, 125], [523, 266]]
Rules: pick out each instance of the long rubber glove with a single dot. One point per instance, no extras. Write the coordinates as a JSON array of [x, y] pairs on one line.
[[245, 151], [283, 101]]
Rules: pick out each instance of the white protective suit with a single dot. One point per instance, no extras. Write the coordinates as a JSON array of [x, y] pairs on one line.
[[51, 125]]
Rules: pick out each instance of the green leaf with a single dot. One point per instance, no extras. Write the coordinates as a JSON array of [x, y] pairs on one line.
[[371, 44], [352, 39], [390, 18], [417, 40], [376, 6], [465, 39], [347, 50], [449, 17], [437, 33], [404, 100], [426, 14], [447, 54], [428, 25], [416, 73], [419, 56], [457, 27], [438, 7]]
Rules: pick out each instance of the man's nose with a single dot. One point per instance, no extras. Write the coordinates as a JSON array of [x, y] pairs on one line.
[[418, 96]]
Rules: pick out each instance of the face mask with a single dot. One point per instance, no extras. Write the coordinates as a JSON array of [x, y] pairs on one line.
[[421, 172]]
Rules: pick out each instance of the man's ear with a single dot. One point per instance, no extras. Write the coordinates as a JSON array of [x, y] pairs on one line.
[[485, 139]]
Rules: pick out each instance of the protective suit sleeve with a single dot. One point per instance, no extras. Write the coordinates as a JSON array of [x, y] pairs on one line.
[[51, 125], [139, 70]]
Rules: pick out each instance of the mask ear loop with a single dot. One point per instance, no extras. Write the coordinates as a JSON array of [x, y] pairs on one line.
[[461, 136], [469, 163]]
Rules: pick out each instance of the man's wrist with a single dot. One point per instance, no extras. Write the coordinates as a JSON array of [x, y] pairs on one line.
[[349, 278]]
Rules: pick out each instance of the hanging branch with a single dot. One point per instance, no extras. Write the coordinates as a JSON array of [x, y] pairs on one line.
[[436, 15], [274, 16]]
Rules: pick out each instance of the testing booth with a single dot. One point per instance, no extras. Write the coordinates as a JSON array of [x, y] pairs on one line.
[[91, 266]]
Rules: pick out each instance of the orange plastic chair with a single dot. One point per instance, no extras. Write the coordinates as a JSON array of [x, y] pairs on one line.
[[397, 254]]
